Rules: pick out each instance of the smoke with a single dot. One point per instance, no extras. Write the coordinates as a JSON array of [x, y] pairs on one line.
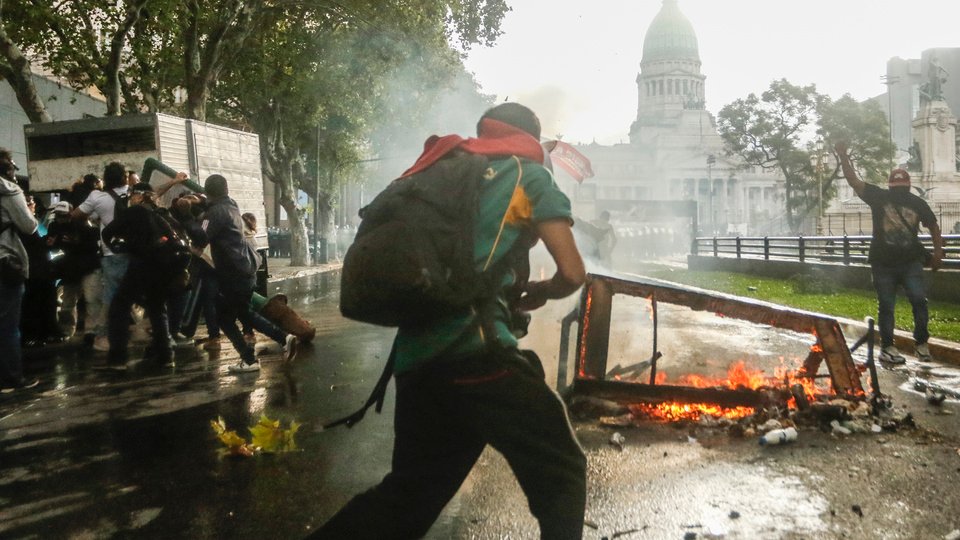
[[554, 105]]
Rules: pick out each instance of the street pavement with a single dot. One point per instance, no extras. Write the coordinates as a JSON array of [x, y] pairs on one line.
[[96, 454]]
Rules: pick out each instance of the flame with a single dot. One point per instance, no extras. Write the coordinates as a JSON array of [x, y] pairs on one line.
[[739, 376], [584, 332], [672, 412]]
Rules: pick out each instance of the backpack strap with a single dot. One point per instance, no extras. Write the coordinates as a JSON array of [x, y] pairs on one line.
[[376, 397]]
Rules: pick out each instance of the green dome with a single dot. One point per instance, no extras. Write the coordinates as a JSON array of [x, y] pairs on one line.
[[670, 36]]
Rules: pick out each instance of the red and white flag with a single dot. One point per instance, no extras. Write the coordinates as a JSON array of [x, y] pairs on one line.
[[567, 157]]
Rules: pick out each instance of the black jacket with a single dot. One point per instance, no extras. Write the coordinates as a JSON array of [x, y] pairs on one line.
[[234, 259]]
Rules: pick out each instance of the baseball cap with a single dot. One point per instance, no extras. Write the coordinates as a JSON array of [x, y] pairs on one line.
[[62, 207], [899, 177]]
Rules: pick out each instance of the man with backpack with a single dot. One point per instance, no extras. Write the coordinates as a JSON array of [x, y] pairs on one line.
[[896, 255], [462, 382], [104, 206], [152, 245]]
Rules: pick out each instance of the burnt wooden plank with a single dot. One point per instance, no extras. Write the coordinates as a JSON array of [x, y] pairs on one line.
[[625, 392]]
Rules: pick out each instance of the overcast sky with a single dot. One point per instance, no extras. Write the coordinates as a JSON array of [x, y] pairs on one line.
[[575, 62]]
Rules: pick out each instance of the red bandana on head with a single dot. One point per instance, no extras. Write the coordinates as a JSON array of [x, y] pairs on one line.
[[496, 139]]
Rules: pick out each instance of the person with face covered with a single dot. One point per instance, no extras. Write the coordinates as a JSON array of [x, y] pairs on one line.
[[896, 255]]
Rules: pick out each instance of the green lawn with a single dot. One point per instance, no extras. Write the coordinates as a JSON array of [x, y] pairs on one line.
[[849, 303]]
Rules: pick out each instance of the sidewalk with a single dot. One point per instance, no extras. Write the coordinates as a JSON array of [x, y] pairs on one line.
[[280, 270]]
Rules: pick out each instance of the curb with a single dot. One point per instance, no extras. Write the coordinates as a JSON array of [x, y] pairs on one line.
[[947, 352]]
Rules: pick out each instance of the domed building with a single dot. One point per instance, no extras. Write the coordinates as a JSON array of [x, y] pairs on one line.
[[675, 156]]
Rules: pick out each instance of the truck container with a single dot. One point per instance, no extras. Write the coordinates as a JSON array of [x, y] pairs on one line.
[[58, 153]]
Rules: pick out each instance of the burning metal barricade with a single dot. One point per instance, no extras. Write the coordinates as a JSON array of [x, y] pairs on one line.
[[741, 391]]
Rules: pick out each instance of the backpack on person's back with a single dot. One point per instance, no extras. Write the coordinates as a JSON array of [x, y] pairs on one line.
[[412, 259]]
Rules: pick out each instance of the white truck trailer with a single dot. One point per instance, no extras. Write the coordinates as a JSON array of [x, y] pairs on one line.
[[58, 153]]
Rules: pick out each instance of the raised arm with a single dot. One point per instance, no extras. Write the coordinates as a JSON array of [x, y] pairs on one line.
[[558, 238], [843, 152], [179, 179]]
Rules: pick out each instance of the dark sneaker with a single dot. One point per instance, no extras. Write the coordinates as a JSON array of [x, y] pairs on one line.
[[891, 355], [243, 367], [923, 353]]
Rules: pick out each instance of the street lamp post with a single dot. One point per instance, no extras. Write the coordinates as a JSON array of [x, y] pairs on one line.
[[890, 80], [711, 159], [820, 187]]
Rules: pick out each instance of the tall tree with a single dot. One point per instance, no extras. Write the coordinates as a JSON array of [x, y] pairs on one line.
[[83, 41], [776, 131], [864, 127], [17, 69], [766, 131], [315, 80]]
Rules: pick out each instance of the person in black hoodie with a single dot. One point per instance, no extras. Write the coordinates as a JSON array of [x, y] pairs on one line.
[[141, 232]]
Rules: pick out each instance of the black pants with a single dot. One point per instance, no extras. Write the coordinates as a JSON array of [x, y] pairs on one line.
[[142, 284], [444, 418]]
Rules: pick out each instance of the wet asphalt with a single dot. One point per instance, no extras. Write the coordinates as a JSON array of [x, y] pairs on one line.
[[96, 454]]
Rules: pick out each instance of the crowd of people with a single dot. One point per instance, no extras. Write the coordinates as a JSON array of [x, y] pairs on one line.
[[79, 269]]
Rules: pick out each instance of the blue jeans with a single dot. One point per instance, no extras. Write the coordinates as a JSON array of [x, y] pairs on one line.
[[11, 363], [113, 268], [885, 281]]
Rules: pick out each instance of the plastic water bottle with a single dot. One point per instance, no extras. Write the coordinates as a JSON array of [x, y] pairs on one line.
[[778, 436]]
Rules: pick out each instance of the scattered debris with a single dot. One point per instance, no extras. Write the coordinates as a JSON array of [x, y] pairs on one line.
[[591, 524], [734, 514], [839, 429], [624, 420], [935, 398], [921, 385], [779, 436], [690, 536], [857, 510], [618, 534], [617, 440], [592, 407]]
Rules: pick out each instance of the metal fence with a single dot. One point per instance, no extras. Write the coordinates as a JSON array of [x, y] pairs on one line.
[[833, 249]]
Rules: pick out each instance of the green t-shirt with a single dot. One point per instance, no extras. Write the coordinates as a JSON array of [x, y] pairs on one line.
[[518, 207]]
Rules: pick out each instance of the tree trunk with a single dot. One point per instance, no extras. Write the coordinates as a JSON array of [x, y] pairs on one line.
[[299, 240], [326, 230], [20, 76]]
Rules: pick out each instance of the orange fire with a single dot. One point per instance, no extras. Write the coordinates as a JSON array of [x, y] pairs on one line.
[[672, 412], [739, 376]]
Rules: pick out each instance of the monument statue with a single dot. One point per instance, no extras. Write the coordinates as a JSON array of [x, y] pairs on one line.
[[932, 90], [915, 163]]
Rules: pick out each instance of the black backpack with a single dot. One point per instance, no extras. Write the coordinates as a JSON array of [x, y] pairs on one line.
[[120, 205], [412, 258]]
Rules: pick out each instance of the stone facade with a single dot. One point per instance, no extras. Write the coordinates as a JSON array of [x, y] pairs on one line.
[[675, 154]]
